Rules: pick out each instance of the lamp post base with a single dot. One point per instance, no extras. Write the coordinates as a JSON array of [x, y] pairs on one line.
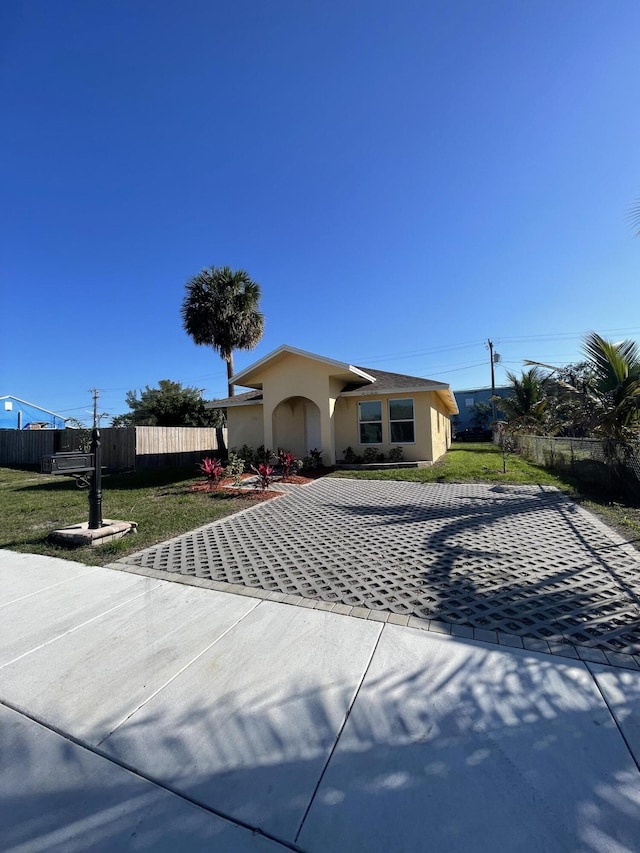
[[77, 535]]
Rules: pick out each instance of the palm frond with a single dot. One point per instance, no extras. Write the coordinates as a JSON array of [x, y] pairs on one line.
[[634, 215], [609, 364]]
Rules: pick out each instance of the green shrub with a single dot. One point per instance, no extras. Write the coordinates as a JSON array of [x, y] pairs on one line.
[[263, 455], [246, 453], [370, 455], [349, 455], [395, 454], [235, 468]]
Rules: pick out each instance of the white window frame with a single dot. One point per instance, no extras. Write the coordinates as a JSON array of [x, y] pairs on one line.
[[362, 443], [402, 420]]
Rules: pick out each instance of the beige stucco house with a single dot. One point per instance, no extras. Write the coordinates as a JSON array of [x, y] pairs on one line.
[[302, 401]]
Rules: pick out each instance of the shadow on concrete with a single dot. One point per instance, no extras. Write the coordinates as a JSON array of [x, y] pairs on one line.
[[493, 753]]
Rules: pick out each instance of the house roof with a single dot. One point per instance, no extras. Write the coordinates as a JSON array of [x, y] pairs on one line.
[[359, 381], [393, 383], [385, 382], [248, 399], [249, 376], [33, 406]]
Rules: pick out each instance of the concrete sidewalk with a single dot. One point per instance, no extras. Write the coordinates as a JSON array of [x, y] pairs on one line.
[[141, 714]]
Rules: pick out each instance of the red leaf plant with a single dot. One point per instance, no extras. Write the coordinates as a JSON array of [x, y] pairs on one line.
[[265, 475], [287, 460], [213, 470]]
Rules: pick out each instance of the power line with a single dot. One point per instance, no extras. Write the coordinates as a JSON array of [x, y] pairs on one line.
[[410, 353], [457, 369]]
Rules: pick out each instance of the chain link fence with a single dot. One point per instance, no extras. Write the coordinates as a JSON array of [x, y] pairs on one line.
[[606, 464]]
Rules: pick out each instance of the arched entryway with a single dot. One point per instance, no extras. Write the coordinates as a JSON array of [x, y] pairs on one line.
[[296, 426]]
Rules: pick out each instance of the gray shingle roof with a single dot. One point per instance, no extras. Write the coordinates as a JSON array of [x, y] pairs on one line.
[[248, 397], [388, 382]]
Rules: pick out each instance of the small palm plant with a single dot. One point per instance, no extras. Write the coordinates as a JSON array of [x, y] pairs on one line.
[[526, 407]]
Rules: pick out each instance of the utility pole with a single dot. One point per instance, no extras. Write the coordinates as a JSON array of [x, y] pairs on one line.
[[95, 493], [493, 383]]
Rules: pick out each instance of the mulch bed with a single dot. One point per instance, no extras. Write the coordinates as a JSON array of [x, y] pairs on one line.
[[226, 487], [309, 476]]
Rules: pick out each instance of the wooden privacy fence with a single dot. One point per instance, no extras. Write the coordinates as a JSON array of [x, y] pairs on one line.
[[169, 447], [130, 448], [25, 447]]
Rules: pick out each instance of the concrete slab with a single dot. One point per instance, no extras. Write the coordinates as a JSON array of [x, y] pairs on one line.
[[25, 574], [248, 727], [57, 797], [59, 609], [88, 682], [621, 690], [454, 746]]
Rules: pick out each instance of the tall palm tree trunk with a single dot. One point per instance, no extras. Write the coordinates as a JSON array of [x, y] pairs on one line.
[[229, 361]]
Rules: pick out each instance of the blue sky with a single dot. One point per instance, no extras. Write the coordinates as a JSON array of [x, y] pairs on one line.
[[404, 180]]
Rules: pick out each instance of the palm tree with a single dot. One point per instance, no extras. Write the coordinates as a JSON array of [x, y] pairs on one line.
[[525, 409], [615, 371], [221, 310]]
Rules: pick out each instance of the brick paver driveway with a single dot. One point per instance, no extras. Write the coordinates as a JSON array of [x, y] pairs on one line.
[[523, 560]]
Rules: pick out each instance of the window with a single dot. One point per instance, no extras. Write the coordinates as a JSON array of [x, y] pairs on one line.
[[469, 402], [8, 406], [370, 422], [401, 425]]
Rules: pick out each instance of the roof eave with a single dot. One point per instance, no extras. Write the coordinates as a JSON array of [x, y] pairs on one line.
[[231, 405]]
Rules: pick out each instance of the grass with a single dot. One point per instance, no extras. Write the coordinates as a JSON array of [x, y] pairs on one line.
[[468, 463], [32, 504]]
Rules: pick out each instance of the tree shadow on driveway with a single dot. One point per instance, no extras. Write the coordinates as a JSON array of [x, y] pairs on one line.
[[527, 561]]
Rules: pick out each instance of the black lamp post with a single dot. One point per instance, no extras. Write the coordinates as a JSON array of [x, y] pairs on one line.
[[95, 493]]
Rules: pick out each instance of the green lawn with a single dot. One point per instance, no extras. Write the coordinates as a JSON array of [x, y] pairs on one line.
[[32, 504], [467, 463]]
